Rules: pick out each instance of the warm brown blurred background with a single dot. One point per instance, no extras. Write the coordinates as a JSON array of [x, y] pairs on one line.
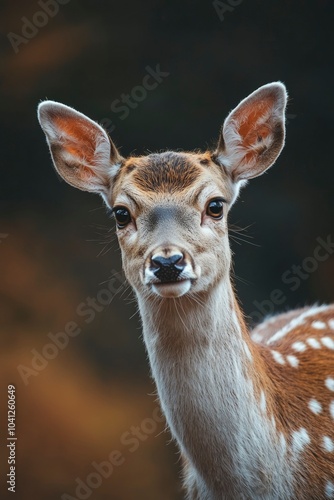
[[56, 247]]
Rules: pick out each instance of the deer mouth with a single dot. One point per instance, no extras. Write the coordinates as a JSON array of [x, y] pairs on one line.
[[169, 276], [172, 289]]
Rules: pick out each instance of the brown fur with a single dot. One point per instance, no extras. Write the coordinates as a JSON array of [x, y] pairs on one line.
[[232, 405], [301, 384]]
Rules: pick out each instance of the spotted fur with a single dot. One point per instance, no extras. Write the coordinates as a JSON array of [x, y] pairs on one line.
[[252, 412]]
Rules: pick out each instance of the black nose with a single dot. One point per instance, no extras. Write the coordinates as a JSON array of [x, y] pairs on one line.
[[167, 269]]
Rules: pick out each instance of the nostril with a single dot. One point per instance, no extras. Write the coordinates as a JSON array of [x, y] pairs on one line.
[[159, 261], [167, 269]]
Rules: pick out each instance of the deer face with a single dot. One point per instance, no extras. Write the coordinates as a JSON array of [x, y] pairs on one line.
[[171, 215], [170, 208]]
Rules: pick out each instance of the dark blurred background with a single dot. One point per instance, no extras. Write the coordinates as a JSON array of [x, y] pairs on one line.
[[57, 249]]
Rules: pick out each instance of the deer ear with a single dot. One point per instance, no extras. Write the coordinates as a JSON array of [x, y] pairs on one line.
[[81, 150], [253, 134]]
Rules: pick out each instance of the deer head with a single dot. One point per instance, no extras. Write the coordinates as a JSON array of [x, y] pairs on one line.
[[170, 208]]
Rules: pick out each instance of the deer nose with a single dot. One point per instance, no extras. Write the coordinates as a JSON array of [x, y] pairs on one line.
[[167, 269]]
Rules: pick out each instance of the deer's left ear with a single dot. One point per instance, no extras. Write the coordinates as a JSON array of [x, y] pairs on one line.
[[81, 150], [253, 134]]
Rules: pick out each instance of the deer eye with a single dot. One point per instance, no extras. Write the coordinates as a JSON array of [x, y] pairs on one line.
[[215, 208], [122, 216]]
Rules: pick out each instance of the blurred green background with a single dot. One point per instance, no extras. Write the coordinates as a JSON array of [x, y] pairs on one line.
[[56, 244]]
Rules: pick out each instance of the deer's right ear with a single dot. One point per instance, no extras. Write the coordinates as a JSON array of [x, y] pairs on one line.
[[253, 133], [81, 150]]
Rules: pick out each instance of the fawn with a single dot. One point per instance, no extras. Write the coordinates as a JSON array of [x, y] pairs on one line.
[[252, 412]]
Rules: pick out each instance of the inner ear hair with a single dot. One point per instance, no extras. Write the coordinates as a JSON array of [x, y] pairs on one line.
[[82, 151], [253, 134]]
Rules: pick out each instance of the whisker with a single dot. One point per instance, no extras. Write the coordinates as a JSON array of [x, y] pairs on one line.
[[237, 229], [242, 280], [179, 315], [237, 240]]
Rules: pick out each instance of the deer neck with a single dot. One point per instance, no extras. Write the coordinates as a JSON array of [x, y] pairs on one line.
[[215, 392]]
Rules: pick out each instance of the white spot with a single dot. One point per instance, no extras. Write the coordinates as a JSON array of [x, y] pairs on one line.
[[273, 421], [329, 489], [293, 361], [319, 325], [282, 441], [314, 343], [269, 320], [315, 406], [329, 383], [328, 342], [247, 351], [278, 357], [328, 444], [331, 409], [299, 346], [300, 439], [257, 337], [263, 402], [299, 320], [331, 324]]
